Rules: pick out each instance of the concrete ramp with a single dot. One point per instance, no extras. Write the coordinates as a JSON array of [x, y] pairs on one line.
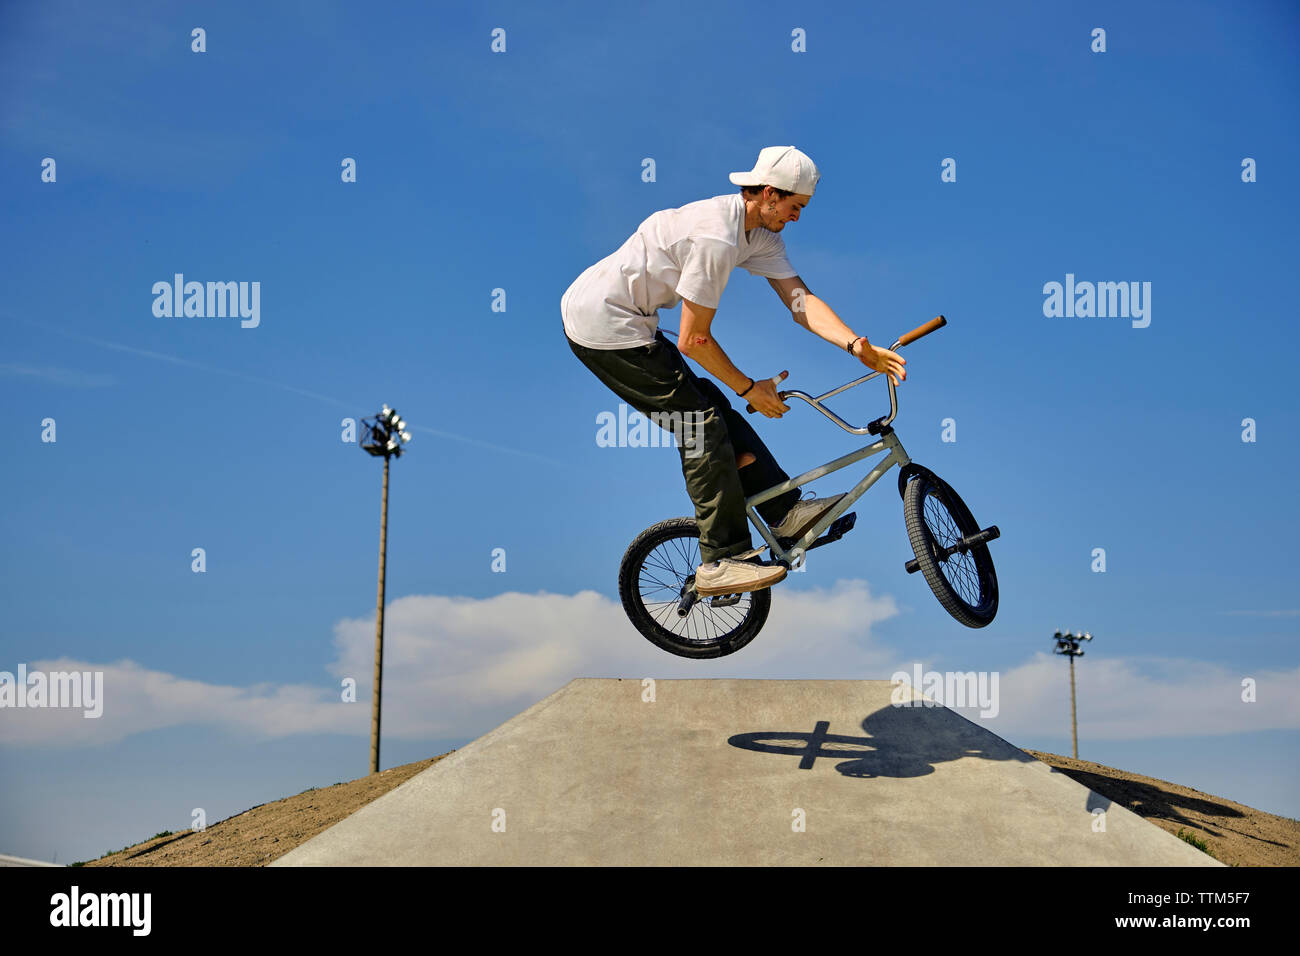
[[741, 772]]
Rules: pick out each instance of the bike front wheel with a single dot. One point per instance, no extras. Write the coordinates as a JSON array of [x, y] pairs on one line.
[[655, 582], [963, 580]]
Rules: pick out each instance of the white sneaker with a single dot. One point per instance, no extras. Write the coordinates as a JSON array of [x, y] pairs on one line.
[[731, 576], [803, 516]]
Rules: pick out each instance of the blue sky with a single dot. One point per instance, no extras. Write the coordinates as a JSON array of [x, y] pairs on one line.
[[516, 170]]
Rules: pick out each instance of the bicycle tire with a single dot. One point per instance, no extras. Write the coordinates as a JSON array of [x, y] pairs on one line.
[[672, 549], [965, 584]]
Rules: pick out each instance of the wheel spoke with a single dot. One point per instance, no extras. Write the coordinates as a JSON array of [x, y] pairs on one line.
[[960, 570], [653, 580], [659, 583]]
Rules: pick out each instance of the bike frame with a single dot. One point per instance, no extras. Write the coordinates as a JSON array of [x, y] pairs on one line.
[[896, 455]]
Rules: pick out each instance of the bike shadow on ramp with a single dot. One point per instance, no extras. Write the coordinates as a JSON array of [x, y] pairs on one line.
[[900, 741]]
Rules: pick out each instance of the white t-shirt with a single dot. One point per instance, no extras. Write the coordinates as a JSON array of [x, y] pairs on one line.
[[675, 254]]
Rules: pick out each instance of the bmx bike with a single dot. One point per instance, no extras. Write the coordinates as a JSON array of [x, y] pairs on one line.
[[656, 578]]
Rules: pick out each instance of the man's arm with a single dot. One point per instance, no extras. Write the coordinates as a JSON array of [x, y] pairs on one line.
[[820, 319], [696, 342]]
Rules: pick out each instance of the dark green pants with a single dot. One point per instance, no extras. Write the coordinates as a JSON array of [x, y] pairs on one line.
[[655, 380]]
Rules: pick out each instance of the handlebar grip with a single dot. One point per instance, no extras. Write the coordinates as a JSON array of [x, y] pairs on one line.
[[936, 323]]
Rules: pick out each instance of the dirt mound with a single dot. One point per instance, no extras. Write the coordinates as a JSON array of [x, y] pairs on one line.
[[1233, 833], [259, 835]]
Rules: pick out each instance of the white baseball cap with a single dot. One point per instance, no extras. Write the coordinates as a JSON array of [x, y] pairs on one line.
[[783, 167]]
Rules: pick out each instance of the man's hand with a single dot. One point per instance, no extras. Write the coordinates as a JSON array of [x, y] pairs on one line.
[[763, 396], [881, 360]]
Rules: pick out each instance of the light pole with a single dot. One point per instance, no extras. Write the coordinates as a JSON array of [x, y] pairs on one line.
[[384, 435], [1068, 644]]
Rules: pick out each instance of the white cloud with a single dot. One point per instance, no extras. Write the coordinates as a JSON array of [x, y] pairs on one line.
[[1133, 697], [457, 666], [136, 699]]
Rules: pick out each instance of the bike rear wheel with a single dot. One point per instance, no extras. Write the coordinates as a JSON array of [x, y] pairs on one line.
[[963, 581], [653, 582]]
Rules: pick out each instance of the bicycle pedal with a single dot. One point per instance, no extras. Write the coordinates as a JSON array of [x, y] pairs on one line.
[[838, 529], [724, 600]]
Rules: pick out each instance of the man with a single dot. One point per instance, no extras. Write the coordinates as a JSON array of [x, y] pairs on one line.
[[610, 317]]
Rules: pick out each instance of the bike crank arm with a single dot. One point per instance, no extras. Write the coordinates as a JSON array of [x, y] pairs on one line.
[[961, 547], [687, 598]]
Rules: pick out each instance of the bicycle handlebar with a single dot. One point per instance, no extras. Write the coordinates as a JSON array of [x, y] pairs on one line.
[[920, 331]]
